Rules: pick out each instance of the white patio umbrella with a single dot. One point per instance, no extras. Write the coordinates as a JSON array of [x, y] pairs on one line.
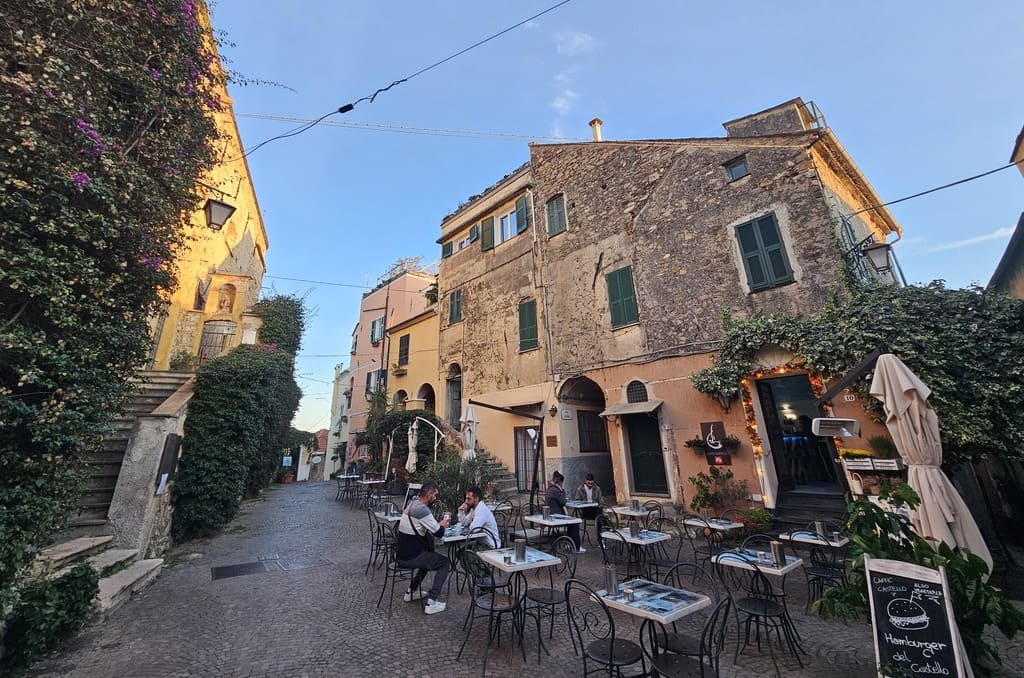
[[410, 463], [914, 428], [469, 423]]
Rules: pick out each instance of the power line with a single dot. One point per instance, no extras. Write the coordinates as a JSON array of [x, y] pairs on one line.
[[372, 97], [319, 282], [408, 129], [933, 190]]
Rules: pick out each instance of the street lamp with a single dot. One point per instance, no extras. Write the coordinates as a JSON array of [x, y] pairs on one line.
[[217, 213], [878, 254]]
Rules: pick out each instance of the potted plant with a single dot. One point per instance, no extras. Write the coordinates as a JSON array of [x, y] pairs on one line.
[[700, 446], [716, 489]]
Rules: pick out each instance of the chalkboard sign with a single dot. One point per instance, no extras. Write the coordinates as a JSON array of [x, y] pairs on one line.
[[912, 616]]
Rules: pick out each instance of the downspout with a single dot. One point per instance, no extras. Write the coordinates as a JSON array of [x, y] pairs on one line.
[[543, 287]]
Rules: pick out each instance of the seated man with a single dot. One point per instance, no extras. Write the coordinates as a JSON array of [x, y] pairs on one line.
[[589, 491], [474, 514], [555, 497], [417, 530]]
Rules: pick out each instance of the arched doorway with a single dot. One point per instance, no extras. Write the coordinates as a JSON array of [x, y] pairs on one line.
[[585, 400], [453, 384], [398, 401], [646, 459], [427, 397]]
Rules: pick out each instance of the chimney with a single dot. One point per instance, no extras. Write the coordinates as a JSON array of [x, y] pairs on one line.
[[595, 125]]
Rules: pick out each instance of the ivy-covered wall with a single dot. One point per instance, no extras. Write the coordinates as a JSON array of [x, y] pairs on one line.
[[105, 127]]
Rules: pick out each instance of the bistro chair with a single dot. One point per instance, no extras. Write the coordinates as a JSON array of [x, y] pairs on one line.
[[685, 634], [757, 605], [593, 632], [704, 541], [614, 551], [826, 567], [492, 602], [393, 572], [654, 510], [708, 644], [380, 538], [664, 555], [547, 601], [735, 516], [829, 525], [535, 537]]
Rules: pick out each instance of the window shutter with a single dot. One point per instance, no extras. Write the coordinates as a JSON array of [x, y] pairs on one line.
[[455, 307], [622, 297], [753, 259], [522, 214], [487, 234], [528, 325], [775, 254], [474, 232], [446, 250], [369, 383], [403, 350], [556, 214]]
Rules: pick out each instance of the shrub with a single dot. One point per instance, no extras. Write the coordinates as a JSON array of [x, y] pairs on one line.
[[105, 136], [452, 474], [716, 489], [48, 611]]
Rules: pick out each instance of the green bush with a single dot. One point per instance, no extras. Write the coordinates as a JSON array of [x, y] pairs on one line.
[[451, 473], [105, 134], [237, 426], [47, 611]]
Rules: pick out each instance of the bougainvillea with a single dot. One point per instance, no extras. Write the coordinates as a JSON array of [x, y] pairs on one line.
[[106, 127]]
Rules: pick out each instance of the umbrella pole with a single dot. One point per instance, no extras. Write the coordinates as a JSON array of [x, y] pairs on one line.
[[391, 448]]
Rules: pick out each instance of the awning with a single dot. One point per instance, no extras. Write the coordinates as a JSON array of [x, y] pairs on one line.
[[645, 407]]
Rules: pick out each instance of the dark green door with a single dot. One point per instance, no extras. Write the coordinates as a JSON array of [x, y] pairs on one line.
[[645, 454]]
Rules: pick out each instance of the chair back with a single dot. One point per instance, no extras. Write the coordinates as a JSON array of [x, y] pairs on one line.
[[691, 577], [747, 581], [475, 542], [613, 550], [589, 618], [565, 550], [823, 557], [673, 548], [702, 537], [712, 638], [654, 511]]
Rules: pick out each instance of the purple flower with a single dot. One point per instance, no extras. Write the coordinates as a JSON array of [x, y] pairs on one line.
[[80, 180], [152, 10], [48, 93], [153, 73], [153, 262]]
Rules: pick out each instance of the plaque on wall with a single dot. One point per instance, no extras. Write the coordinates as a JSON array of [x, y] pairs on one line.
[[719, 459]]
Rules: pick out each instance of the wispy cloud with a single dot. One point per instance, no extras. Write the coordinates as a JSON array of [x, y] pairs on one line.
[[572, 43], [967, 242], [563, 102]]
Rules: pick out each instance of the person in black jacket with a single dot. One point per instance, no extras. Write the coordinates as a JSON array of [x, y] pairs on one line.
[[555, 497], [417, 530]]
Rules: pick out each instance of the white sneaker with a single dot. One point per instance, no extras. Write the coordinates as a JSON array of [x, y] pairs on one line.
[[581, 550], [413, 595], [434, 606]]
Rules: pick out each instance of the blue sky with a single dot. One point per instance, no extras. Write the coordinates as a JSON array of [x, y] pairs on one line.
[[919, 93]]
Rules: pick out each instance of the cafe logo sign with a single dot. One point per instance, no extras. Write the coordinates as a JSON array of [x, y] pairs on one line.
[[712, 432]]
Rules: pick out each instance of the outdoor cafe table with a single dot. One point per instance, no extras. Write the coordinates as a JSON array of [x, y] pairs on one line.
[[368, 484], [499, 507], [630, 511], [814, 540], [453, 537], [577, 505], [638, 544], [792, 562], [555, 520], [657, 602], [535, 560], [389, 518], [713, 524]]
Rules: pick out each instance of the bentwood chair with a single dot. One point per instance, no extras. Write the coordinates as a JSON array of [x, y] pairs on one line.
[[702, 663], [393, 572], [654, 511], [593, 628], [541, 601], [494, 603], [685, 634]]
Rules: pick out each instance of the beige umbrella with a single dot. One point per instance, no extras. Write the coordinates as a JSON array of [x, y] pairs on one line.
[[469, 423], [410, 463], [914, 428]]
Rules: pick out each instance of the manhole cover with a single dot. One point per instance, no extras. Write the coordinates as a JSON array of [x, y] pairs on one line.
[[225, 571]]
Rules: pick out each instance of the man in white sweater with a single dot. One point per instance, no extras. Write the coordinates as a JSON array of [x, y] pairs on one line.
[[474, 514]]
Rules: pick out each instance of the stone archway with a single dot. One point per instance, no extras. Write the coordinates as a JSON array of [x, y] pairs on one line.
[[426, 396], [585, 399]]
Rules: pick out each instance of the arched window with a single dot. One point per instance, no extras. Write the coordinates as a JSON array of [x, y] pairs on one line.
[[636, 392], [398, 402]]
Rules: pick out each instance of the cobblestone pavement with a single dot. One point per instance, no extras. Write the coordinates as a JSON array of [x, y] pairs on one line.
[[315, 614]]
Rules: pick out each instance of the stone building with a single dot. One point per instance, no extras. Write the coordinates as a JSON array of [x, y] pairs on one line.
[[1008, 277], [584, 288], [394, 301]]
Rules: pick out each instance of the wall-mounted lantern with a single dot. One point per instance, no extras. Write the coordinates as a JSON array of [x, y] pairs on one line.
[[217, 213]]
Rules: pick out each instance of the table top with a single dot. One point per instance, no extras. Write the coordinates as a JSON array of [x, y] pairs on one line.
[[792, 562], [457, 533], [646, 536], [658, 602], [714, 524], [351, 476], [581, 504], [497, 508], [390, 518], [370, 482], [809, 538], [534, 559], [556, 520], [630, 511]]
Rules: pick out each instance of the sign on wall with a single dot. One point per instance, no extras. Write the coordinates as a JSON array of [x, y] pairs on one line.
[[718, 458], [912, 617], [712, 432], [286, 461]]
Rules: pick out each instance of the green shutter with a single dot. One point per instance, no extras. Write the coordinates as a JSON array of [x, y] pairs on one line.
[[474, 232], [446, 249], [556, 214], [455, 307], [522, 214], [528, 325], [622, 297], [403, 350], [775, 253], [753, 257], [764, 253], [487, 234]]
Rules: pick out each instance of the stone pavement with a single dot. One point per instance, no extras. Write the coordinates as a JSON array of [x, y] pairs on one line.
[[313, 613]]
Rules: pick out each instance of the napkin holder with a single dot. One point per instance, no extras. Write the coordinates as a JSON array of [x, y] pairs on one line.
[[634, 529], [520, 550], [778, 555], [546, 512], [611, 581]]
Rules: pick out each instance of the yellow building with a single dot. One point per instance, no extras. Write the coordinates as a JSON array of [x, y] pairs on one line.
[[221, 268], [412, 360]]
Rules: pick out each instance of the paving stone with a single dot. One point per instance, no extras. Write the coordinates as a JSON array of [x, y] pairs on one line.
[[322, 619]]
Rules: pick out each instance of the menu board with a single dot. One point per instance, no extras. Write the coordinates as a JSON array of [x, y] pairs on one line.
[[912, 617]]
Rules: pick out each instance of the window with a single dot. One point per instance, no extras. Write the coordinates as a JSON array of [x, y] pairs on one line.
[[455, 307], [593, 432], [737, 169], [403, 350], [487, 234], [621, 297], [636, 392], [377, 330], [528, 325], [493, 231], [556, 214], [446, 250], [764, 255]]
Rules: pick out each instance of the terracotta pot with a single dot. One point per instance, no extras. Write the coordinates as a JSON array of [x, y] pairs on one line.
[[287, 479]]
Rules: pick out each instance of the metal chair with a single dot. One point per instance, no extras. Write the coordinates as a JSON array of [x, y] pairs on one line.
[[654, 511], [393, 572], [614, 551], [703, 662], [593, 632], [492, 602], [380, 539], [827, 564], [546, 601], [705, 541], [685, 636], [666, 554]]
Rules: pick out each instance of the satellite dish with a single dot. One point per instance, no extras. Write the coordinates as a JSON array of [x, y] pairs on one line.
[[832, 427]]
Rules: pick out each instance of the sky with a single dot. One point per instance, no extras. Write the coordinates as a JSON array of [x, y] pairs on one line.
[[919, 93]]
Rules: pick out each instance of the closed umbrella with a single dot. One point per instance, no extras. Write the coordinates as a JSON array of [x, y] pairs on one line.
[[914, 427], [469, 423], [410, 463]]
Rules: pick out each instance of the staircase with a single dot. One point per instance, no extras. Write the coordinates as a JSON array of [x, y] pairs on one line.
[[797, 509], [104, 465], [492, 469]]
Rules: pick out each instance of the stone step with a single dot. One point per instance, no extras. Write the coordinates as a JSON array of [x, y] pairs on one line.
[[104, 562], [68, 552], [116, 589]]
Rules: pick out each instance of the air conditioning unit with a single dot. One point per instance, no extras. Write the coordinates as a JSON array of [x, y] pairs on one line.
[[832, 427]]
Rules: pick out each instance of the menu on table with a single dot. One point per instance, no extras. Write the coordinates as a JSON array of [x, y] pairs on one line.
[[651, 597], [532, 556]]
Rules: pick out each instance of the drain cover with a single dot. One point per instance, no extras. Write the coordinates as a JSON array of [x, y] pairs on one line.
[[225, 571]]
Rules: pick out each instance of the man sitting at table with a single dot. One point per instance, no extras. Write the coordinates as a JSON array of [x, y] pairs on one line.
[[417, 530], [555, 497], [589, 491], [474, 514]]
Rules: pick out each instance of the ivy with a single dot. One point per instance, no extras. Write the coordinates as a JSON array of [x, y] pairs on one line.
[[965, 344], [106, 127], [284, 322]]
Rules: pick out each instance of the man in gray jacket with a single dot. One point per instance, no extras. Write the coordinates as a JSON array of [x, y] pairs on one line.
[[417, 530]]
